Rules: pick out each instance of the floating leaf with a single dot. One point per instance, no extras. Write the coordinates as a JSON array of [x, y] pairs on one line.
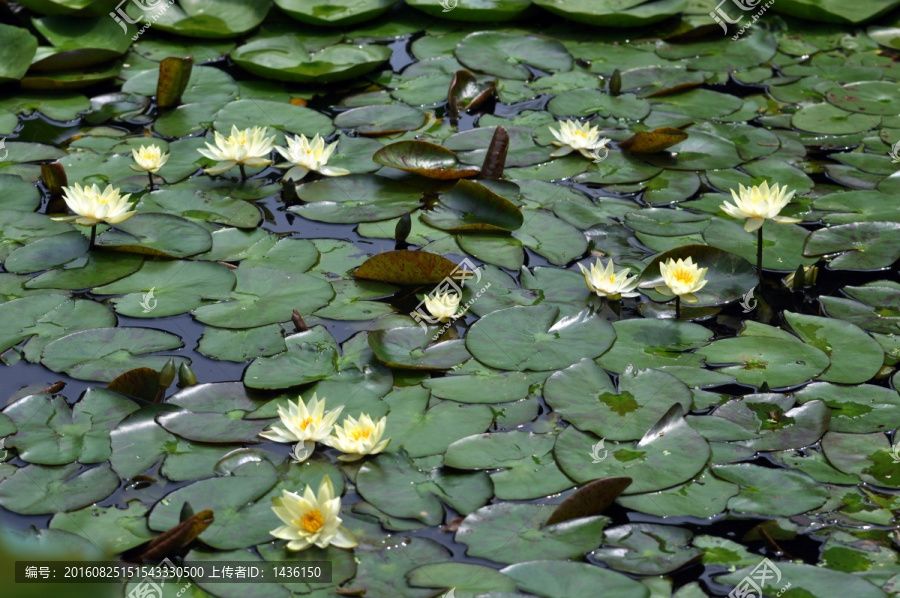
[[422, 157], [860, 246], [506, 54], [406, 267], [590, 499], [410, 348], [40, 490], [649, 142], [646, 548], [470, 206], [729, 276]]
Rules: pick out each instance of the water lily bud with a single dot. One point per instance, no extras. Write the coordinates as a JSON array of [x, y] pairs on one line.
[[167, 374], [186, 376], [174, 73], [403, 228], [54, 177], [299, 324], [885, 372], [805, 276], [615, 83]]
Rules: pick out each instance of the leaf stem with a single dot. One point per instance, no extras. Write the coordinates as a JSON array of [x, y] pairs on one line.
[[93, 236], [243, 173], [677, 307], [759, 245], [150, 176]]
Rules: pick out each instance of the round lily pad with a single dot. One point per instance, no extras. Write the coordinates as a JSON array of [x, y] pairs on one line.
[[859, 246], [470, 206], [38, 490], [859, 409], [329, 12], [729, 276], [646, 548], [609, 13], [855, 356], [775, 361], [422, 157], [768, 491], [563, 578], [532, 338], [198, 18], [506, 54], [410, 348], [381, 120]]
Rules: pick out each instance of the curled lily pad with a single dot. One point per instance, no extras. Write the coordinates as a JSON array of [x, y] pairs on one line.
[[470, 206], [79, 43], [422, 157], [287, 58], [532, 338], [729, 276], [506, 54], [649, 142], [21, 46]]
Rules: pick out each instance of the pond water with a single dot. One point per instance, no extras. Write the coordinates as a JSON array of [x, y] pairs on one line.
[[550, 440]]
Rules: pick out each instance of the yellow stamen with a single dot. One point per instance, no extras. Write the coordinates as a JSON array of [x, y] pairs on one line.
[[685, 276], [360, 433], [312, 521]]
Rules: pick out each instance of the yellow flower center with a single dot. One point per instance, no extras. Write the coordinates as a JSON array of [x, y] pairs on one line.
[[360, 433], [312, 521], [306, 422], [683, 275], [579, 133]]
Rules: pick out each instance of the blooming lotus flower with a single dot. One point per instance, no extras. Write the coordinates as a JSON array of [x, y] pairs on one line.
[[683, 278], [607, 283], [303, 156], [149, 158], [248, 147], [359, 438], [92, 207], [443, 307], [575, 136], [303, 424], [312, 519], [759, 203]]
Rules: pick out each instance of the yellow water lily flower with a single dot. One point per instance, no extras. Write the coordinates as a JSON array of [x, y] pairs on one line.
[[248, 147], [92, 207], [304, 424], [303, 155], [759, 203], [312, 519], [575, 136], [605, 282], [683, 278], [149, 158], [442, 306], [358, 438]]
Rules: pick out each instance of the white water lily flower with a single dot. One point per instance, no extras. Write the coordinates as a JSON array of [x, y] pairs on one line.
[[304, 424], [93, 207], [149, 158], [303, 155], [682, 278], [358, 438], [575, 136], [758, 204], [312, 519], [443, 307], [248, 147], [605, 282]]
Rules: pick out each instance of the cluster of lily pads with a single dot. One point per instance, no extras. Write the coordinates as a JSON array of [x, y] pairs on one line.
[[564, 432]]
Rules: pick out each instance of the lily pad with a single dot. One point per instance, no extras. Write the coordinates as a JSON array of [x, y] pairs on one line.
[[729, 275], [610, 13], [646, 548], [471, 206], [559, 579], [771, 491], [381, 120], [777, 362], [38, 490], [855, 356], [859, 246], [531, 338], [327, 12], [422, 157], [506, 54], [410, 348], [20, 47], [406, 267], [200, 18]]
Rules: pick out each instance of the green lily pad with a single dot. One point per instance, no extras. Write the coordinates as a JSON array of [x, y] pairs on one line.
[[646, 548], [381, 120], [184, 284], [833, 11], [470, 206], [160, 235], [310, 356], [383, 571], [265, 296], [38, 490], [831, 120], [424, 427], [868, 456], [106, 353], [20, 47], [202, 206], [559, 579], [462, 577], [95, 269], [343, 12], [556, 240], [79, 43], [200, 18], [782, 243], [703, 497], [527, 467], [776, 361], [114, 530], [478, 11], [506, 54], [771, 491], [50, 433], [654, 344], [857, 409], [729, 275], [855, 356], [513, 533], [808, 580], [288, 58], [421, 157], [415, 489], [410, 348], [609, 13], [406, 267], [584, 394], [531, 338], [860, 246], [670, 453]]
